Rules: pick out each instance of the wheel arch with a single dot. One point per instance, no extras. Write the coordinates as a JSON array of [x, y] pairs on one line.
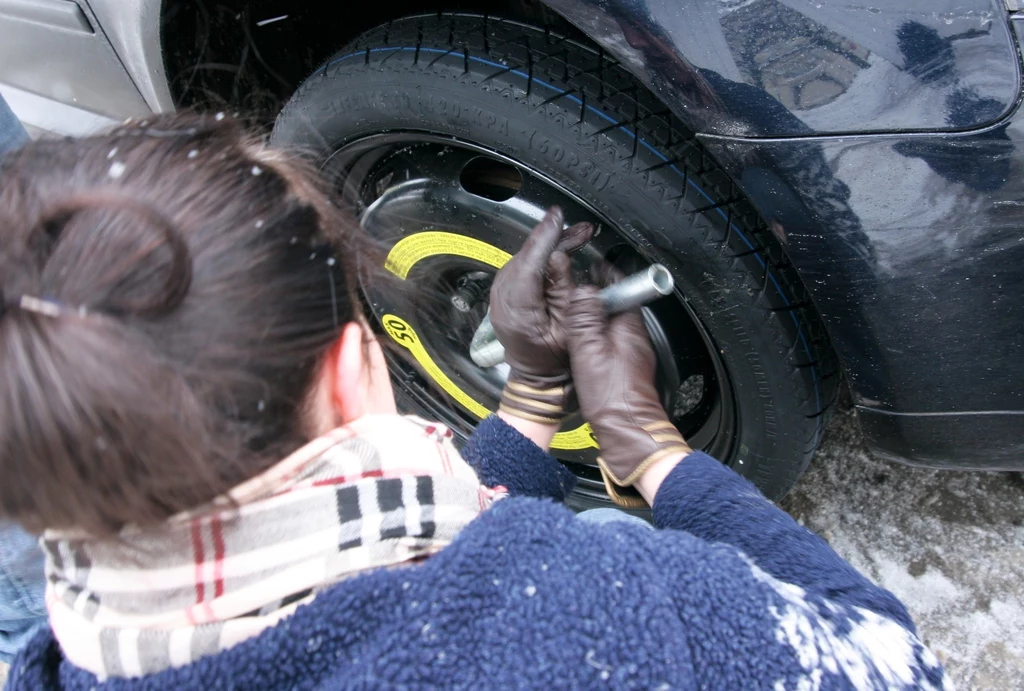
[[704, 68], [271, 58], [283, 61], [209, 49]]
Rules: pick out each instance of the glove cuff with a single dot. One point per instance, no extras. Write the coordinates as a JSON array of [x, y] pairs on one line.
[[547, 402], [626, 498], [662, 441]]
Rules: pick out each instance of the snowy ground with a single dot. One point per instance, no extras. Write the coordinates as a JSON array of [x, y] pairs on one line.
[[949, 544]]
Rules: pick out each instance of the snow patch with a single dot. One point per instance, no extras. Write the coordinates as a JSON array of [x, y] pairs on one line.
[[929, 591]]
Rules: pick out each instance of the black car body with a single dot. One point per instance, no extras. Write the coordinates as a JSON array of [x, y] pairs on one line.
[[902, 209]]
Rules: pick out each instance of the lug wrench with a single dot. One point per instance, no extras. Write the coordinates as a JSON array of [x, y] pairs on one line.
[[633, 291]]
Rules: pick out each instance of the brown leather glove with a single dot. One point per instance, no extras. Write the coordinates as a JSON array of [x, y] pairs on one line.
[[535, 285], [613, 367]]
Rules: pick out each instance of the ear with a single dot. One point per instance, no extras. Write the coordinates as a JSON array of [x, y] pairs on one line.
[[349, 374], [358, 377]]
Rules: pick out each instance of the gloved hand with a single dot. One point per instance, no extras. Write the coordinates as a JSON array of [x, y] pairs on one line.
[[528, 298], [613, 367]]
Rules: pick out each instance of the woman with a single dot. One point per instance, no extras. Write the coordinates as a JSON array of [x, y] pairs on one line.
[[194, 412]]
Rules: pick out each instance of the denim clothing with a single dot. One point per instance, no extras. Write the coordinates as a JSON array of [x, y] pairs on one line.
[[606, 516], [12, 134], [22, 611]]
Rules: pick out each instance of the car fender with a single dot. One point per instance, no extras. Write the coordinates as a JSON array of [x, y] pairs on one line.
[[834, 67]]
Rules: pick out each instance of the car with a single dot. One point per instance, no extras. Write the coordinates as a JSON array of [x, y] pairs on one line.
[[835, 185]]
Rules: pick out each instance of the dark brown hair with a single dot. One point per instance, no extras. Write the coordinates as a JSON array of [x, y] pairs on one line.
[[193, 282]]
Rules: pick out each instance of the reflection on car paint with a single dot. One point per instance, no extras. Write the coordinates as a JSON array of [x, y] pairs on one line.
[[834, 65]]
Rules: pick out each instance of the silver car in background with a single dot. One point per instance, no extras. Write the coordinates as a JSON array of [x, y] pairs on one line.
[[71, 68]]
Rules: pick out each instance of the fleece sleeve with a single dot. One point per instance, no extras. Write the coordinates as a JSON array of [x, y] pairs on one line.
[[710, 501], [745, 629], [501, 455]]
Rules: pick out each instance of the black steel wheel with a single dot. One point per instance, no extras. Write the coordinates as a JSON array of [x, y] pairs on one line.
[[450, 135]]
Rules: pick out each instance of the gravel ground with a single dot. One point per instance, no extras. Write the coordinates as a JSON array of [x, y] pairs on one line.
[[949, 544]]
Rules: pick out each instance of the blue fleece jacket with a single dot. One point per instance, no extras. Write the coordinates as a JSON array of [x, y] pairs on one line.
[[729, 593]]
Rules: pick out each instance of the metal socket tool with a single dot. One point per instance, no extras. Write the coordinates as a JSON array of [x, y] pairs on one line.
[[633, 291]]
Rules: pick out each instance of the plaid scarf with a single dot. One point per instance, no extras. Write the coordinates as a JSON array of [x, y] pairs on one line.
[[382, 491]]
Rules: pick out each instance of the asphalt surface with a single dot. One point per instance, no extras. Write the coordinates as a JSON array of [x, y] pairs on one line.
[[949, 544]]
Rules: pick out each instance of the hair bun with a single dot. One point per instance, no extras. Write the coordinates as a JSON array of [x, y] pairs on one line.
[[117, 246]]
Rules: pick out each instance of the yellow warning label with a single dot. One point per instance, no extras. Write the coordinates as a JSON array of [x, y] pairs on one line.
[[403, 334], [580, 438], [408, 251]]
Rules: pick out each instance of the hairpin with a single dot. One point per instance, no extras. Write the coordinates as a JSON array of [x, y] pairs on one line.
[[43, 306], [47, 308]]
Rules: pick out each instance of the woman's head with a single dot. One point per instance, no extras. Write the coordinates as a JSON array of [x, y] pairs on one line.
[[173, 295]]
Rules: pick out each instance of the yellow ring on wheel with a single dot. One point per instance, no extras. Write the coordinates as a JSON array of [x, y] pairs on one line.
[[405, 254]]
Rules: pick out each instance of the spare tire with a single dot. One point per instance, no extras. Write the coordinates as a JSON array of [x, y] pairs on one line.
[[450, 135]]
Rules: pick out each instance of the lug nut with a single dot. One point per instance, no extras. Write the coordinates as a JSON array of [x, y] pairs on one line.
[[470, 289]]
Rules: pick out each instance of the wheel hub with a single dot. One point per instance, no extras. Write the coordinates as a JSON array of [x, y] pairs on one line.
[[471, 289]]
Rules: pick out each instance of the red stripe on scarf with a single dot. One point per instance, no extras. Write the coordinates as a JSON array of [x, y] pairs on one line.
[[199, 556], [216, 529], [446, 462], [342, 479]]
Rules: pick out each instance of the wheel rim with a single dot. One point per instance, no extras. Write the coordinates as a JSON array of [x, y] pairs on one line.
[[417, 194]]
